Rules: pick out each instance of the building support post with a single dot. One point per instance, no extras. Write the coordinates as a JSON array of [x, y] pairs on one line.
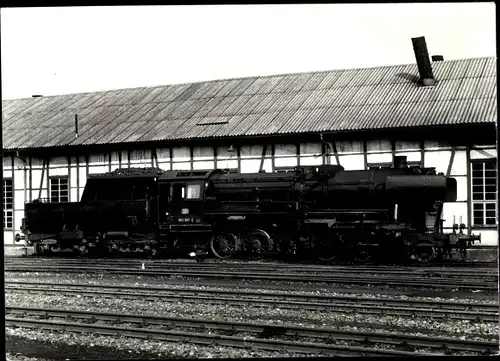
[[264, 151], [41, 180], [469, 191], [335, 152], [450, 164]]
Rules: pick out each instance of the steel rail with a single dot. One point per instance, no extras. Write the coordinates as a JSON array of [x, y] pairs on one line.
[[293, 270], [372, 280], [265, 330], [246, 262], [370, 308], [452, 305], [258, 271], [257, 266]]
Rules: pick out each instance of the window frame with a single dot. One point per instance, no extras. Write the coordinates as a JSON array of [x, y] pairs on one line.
[[179, 191], [7, 210], [59, 189], [484, 202]]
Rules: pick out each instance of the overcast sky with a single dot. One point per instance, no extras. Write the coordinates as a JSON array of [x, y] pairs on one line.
[[52, 51]]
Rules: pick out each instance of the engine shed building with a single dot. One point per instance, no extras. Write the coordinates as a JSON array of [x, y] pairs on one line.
[[358, 118]]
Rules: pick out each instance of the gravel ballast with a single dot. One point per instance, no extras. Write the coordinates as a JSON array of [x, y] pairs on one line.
[[89, 346], [53, 345], [273, 316], [108, 280]]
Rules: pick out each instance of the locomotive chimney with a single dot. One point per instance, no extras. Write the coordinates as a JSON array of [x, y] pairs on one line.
[[400, 162], [423, 61]]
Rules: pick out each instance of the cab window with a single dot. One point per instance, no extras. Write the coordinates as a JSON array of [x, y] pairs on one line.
[[193, 191]]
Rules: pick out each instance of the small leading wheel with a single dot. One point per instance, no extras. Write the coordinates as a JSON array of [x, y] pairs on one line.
[[424, 253], [222, 246]]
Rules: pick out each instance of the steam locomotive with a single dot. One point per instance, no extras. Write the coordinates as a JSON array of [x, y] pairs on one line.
[[320, 212]]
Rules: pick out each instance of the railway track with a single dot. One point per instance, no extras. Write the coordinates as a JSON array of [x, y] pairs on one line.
[[349, 304], [243, 263], [485, 283], [439, 272], [264, 336], [231, 263]]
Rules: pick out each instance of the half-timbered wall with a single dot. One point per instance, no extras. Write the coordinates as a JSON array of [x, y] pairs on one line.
[[34, 177]]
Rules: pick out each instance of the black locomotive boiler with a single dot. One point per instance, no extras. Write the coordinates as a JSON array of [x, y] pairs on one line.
[[323, 212]]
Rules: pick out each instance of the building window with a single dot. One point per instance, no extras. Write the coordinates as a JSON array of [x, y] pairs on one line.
[[484, 193], [8, 202], [59, 189]]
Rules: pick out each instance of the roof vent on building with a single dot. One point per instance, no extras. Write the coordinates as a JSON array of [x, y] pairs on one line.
[[37, 96], [423, 61], [437, 58]]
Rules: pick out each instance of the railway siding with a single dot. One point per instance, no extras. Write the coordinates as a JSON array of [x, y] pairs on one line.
[[264, 339], [361, 305]]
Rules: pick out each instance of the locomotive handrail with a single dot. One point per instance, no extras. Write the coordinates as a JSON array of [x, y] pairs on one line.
[[329, 211]]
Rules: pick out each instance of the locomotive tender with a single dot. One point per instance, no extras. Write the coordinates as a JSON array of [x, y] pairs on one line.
[[324, 212]]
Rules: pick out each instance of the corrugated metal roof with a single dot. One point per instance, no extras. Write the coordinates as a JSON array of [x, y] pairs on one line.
[[339, 100]]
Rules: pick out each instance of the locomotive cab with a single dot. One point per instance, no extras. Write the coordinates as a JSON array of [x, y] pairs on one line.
[[182, 198], [185, 202]]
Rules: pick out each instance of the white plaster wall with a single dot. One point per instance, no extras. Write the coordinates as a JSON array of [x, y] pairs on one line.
[[19, 199], [73, 195], [461, 187], [253, 165], [310, 149], [415, 156], [352, 162], [8, 237], [203, 165], [489, 237], [459, 166], [73, 177], [98, 169], [456, 209], [378, 145], [60, 171], [311, 160], [349, 146], [181, 154], [163, 154], [140, 158], [438, 160], [164, 165], [285, 162], [203, 153], [227, 164], [19, 178], [285, 150], [483, 153], [181, 166], [407, 145], [379, 158]]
